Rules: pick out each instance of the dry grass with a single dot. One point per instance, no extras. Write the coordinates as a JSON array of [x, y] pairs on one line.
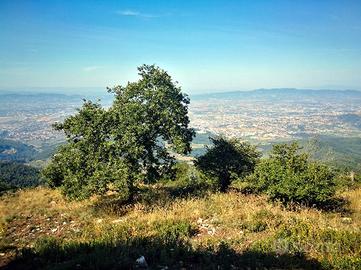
[[244, 222]]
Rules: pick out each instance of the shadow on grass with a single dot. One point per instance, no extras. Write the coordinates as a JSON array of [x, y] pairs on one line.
[[160, 253], [336, 204], [150, 196]]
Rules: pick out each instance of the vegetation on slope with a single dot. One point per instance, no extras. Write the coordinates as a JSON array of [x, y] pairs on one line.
[[16, 151], [19, 175], [175, 230], [145, 210], [288, 175]]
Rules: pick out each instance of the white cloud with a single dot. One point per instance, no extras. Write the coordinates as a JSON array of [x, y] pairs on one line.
[[134, 13]]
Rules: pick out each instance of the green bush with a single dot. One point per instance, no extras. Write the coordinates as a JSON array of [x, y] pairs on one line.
[[227, 160], [289, 176]]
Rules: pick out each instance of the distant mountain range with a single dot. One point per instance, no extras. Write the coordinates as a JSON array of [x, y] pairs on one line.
[[279, 93], [29, 97], [257, 93]]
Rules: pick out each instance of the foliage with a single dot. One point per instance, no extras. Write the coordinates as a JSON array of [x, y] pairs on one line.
[[4, 186], [289, 176], [228, 159], [18, 175], [113, 149]]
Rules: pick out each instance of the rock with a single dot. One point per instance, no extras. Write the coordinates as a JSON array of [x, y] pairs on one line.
[[212, 231], [141, 262]]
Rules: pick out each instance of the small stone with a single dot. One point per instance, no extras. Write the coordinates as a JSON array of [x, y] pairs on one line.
[[212, 231], [141, 262]]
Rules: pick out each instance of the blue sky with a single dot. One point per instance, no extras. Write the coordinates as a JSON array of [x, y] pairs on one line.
[[205, 45]]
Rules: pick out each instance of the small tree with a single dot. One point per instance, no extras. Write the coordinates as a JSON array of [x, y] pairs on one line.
[[289, 176], [112, 149], [227, 160]]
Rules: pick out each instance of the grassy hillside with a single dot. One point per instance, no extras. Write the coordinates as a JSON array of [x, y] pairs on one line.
[[40, 230]]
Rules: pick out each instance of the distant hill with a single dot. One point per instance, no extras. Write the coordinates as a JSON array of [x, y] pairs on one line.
[[16, 151], [280, 93], [29, 97]]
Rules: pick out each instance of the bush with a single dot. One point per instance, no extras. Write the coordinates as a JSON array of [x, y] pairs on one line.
[[289, 176], [227, 160]]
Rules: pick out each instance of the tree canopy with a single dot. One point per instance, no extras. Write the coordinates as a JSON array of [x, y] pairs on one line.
[[111, 149]]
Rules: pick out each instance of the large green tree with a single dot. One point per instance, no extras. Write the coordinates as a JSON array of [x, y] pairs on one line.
[[112, 149], [228, 159]]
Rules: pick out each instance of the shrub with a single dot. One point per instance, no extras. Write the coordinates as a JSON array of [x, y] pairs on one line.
[[289, 176], [227, 160]]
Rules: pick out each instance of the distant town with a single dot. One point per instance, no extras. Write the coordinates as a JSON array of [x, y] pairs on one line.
[[269, 120], [262, 116]]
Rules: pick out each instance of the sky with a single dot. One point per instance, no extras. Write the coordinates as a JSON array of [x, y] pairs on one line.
[[206, 46]]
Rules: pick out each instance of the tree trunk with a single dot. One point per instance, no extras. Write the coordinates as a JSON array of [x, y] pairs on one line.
[[225, 182]]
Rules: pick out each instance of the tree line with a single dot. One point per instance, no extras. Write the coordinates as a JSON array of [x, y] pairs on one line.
[[16, 175]]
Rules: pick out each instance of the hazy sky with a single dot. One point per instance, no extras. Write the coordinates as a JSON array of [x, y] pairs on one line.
[[205, 45]]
